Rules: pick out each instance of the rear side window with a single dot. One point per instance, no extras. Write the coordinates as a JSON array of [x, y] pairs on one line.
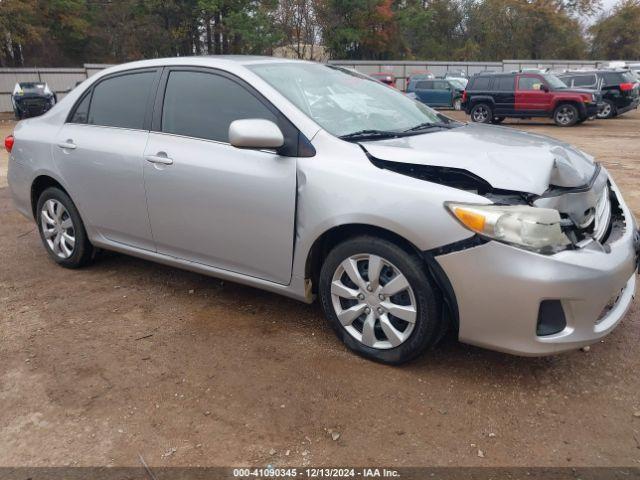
[[583, 80], [481, 83], [441, 85], [504, 84], [203, 105], [121, 101]]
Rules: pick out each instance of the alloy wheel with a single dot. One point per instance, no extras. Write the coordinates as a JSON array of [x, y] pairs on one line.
[[565, 115], [57, 228], [480, 114], [373, 301], [605, 111], [457, 104]]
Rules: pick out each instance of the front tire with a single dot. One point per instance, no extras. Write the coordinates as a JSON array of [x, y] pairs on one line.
[[61, 229], [379, 300], [481, 113], [566, 115]]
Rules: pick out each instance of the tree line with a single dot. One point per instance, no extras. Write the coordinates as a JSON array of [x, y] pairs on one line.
[[72, 32]]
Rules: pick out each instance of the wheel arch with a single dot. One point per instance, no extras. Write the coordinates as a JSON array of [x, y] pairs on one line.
[[337, 234], [569, 101], [39, 185]]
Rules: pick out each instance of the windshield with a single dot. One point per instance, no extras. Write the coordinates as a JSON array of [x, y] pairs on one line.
[[554, 82], [343, 101]]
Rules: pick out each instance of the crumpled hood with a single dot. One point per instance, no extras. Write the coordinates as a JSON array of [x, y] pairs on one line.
[[507, 159]]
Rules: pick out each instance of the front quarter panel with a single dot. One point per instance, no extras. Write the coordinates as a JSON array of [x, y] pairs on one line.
[[340, 186]]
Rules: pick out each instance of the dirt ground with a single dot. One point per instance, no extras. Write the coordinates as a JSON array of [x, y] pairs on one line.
[[127, 357]]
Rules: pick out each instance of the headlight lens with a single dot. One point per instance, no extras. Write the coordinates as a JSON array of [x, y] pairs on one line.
[[521, 225]]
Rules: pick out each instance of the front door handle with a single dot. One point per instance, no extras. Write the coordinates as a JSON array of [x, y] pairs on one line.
[[68, 145], [163, 159]]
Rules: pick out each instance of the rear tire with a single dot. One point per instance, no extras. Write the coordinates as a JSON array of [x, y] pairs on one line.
[[371, 308], [608, 110], [481, 113], [61, 229], [566, 115]]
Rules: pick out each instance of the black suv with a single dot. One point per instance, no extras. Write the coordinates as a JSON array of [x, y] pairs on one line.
[[619, 88], [491, 97]]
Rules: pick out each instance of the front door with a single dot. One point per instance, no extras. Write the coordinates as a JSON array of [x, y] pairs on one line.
[[99, 152], [532, 95], [208, 201]]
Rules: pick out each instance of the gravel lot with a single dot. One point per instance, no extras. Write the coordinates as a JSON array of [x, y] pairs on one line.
[[128, 357]]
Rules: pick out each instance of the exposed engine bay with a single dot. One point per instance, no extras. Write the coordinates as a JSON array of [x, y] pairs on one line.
[[590, 213]]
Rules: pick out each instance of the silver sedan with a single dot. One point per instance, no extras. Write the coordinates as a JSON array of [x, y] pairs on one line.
[[314, 181]]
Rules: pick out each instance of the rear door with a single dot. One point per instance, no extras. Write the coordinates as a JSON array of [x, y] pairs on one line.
[[531, 98], [99, 152], [210, 202], [443, 93], [425, 93], [504, 94]]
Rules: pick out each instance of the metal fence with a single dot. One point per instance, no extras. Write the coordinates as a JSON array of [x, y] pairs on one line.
[[403, 69], [62, 80]]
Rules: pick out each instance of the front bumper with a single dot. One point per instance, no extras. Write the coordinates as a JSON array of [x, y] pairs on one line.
[[499, 289]]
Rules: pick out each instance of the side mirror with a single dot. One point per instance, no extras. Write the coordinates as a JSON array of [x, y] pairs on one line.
[[255, 133], [544, 88]]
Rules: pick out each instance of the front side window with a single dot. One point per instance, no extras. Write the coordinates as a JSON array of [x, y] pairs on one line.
[[343, 101], [424, 85], [530, 84], [121, 101], [203, 105]]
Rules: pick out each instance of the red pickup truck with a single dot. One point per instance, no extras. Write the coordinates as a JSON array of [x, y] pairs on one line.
[[491, 97]]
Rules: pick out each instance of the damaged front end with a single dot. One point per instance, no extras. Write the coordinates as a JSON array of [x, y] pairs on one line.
[[570, 214]]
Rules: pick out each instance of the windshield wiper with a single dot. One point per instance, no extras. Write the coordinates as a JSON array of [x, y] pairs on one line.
[[430, 125], [360, 134]]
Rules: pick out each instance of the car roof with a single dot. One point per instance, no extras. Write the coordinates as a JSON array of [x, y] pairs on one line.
[[219, 61]]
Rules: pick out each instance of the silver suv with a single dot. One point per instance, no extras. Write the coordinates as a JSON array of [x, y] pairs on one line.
[[315, 181]]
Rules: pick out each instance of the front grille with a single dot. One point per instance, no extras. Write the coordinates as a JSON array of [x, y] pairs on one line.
[[34, 106]]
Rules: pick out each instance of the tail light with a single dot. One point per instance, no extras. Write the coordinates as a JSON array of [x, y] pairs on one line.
[[8, 143], [625, 87], [464, 96]]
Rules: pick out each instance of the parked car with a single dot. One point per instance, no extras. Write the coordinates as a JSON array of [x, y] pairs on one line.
[[31, 98], [386, 78], [439, 92], [419, 75], [619, 88], [490, 98], [310, 180], [460, 78]]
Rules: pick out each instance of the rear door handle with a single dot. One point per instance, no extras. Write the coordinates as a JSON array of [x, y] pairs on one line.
[[159, 159], [68, 145]]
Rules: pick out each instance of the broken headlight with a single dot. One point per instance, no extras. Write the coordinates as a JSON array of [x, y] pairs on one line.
[[529, 227]]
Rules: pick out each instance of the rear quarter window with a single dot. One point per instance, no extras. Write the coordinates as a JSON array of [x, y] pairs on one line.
[[480, 83]]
